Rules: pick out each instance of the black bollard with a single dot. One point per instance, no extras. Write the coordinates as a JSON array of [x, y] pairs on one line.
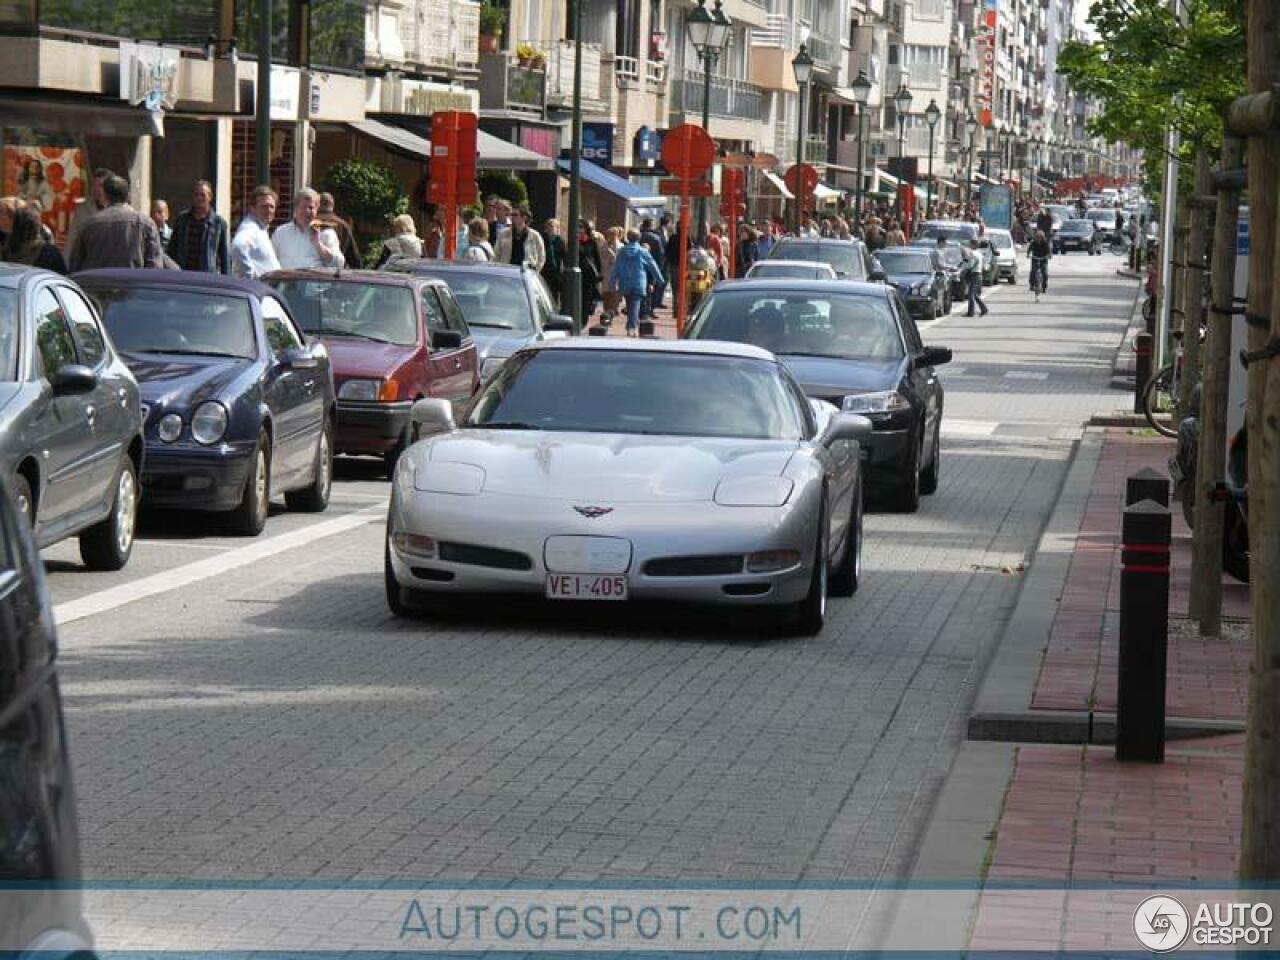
[[1142, 348], [1144, 632], [1147, 484]]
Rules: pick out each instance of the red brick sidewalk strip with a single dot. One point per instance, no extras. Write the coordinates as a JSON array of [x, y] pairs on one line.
[[1207, 678]]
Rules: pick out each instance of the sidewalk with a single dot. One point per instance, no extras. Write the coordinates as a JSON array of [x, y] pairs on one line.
[[1072, 814]]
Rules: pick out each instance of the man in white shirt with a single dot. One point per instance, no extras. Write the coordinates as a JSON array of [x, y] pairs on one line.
[[304, 242], [252, 253]]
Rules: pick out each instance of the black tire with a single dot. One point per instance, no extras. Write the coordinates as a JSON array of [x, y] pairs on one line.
[[844, 578], [107, 544], [395, 592], [929, 476], [906, 499], [24, 499], [1162, 423], [930, 313], [315, 497], [805, 619], [392, 456], [1235, 544], [250, 516]]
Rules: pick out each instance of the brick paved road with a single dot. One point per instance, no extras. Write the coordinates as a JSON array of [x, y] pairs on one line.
[[273, 721]]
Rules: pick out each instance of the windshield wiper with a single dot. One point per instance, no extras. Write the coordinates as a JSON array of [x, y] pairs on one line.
[[799, 353], [504, 425], [190, 353], [485, 323], [348, 333]]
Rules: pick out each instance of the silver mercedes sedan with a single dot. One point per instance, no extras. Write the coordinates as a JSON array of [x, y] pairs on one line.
[[612, 469]]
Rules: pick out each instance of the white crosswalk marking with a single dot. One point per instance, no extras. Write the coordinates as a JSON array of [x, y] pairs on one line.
[[968, 428], [1026, 375]]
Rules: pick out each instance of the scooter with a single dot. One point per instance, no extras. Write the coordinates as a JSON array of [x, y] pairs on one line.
[[701, 277]]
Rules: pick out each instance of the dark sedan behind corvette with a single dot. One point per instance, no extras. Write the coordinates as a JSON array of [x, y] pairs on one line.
[[856, 346], [237, 405]]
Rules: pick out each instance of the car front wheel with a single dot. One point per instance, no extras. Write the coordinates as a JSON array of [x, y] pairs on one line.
[[315, 497], [805, 619], [250, 516], [844, 578]]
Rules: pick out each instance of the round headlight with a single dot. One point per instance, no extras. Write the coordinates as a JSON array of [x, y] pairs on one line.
[[170, 427], [209, 423]]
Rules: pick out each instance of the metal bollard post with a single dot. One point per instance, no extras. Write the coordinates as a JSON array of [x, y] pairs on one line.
[[1147, 484], [1142, 348], [1144, 632]]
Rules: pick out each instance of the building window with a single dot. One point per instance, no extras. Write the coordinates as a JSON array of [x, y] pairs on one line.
[[177, 21]]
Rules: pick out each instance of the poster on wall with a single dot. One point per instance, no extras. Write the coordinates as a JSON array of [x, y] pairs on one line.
[[51, 176]]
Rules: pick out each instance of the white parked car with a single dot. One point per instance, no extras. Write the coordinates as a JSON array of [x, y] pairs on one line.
[[797, 269], [1006, 252]]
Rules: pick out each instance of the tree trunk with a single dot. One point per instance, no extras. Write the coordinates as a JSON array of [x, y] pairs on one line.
[[1193, 284], [1206, 563], [1260, 835]]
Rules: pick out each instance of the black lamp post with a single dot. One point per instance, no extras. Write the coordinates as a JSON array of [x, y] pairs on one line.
[[970, 129], [901, 104], [861, 94], [932, 114], [573, 271], [802, 67], [709, 33]]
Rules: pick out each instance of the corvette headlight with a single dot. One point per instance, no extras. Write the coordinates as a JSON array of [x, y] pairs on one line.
[[754, 492], [491, 366], [887, 401], [413, 545], [381, 391], [209, 422], [169, 428]]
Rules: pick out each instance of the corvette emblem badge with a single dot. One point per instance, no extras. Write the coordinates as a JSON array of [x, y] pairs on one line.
[[591, 513]]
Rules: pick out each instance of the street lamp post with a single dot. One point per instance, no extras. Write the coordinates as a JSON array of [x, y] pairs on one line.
[[709, 33], [802, 67], [901, 104], [573, 273], [861, 94], [970, 129], [931, 115]]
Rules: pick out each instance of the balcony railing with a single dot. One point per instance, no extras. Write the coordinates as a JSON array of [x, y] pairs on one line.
[[655, 74], [729, 97], [560, 74], [434, 33], [627, 69], [505, 85], [815, 149]]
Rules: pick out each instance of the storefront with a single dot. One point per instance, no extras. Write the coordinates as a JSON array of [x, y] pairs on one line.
[[609, 200]]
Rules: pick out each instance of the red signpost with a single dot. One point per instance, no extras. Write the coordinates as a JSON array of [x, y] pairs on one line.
[[731, 207], [453, 169], [801, 179], [687, 152]]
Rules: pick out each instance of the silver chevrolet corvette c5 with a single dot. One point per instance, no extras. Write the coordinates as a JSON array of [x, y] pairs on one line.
[[607, 470]]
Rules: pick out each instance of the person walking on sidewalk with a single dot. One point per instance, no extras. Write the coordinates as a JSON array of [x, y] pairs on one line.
[[635, 272], [656, 244], [973, 261]]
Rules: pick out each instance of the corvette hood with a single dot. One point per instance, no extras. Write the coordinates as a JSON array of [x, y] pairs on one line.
[[608, 468]]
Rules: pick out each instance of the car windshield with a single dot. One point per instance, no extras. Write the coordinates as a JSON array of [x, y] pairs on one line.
[[905, 261], [812, 271], [1078, 226], [809, 324], [142, 320], [845, 258], [488, 299], [952, 255], [1104, 215], [8, 336], [343, 308], [957, 231], [639, 392], [1000, 241]]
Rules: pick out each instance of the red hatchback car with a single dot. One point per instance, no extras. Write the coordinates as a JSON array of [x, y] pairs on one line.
[[392, 339]]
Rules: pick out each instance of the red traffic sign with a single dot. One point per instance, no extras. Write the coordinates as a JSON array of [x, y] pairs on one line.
[[685, 188], [728, 209], [688, 151], [453, 157], [731, 181], [805, 175]]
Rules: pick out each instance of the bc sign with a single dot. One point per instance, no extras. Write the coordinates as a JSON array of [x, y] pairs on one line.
[[597, 143]]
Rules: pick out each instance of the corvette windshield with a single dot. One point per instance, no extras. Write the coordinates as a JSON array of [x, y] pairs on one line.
[[643, 392]]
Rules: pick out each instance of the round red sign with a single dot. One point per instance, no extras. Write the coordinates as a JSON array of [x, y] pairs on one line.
[[688, 151]]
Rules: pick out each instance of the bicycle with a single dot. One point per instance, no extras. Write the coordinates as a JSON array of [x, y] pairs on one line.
[[1039, 276], [1120, 245]]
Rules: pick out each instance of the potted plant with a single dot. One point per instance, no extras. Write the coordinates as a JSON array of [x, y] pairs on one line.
[[527, 55], [492, 21]]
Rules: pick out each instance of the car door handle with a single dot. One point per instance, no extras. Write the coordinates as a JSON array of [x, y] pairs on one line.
[[457, 363], [309, 384], [90, 413], [123, 394]]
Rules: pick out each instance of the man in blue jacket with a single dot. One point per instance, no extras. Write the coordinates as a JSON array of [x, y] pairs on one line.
[[201, 240], [634, 273], [654, 242]]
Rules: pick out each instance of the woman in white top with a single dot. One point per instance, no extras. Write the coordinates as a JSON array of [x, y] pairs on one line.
[[403, 242], [478, 247]]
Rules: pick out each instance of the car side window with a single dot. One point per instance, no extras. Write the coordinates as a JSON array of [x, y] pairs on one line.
[[282, 335], [84, 327], [542, 307], [54, 344], [453, 317], [432, 312]]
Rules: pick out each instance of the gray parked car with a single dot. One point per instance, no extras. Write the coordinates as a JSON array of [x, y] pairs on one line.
[[506, 306], [70, 418]]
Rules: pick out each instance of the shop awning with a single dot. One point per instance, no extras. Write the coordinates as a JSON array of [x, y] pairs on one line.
[[59, 116], [491, 152], [948, 183], [778, 184], [610, 182], [892, 181], [983, 178], [824, 192]]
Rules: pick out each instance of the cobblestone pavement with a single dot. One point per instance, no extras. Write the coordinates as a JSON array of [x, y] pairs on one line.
[[243, 710]]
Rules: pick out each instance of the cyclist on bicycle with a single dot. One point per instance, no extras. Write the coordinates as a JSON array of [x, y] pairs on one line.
[[1039, 251]]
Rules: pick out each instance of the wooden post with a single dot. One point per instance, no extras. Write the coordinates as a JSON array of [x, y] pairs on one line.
[[1210, 467], [1193, 284], [1177, 264], [1260, 834]]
